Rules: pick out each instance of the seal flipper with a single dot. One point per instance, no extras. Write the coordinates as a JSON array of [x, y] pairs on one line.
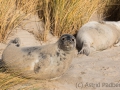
[[116, 45], [16, 41], [85, 49]]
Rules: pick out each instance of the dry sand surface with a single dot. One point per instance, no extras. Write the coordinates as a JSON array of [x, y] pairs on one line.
[[99, 71]]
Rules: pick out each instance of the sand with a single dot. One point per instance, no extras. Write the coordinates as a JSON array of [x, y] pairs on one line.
[[98, 71]]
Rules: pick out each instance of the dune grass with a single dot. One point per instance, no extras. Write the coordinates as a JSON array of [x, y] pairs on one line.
[[67, 16], [59, 16], [7, 80], [12, 12]]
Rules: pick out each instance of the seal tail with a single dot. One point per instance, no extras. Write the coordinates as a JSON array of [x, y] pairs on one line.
[[16, 41]]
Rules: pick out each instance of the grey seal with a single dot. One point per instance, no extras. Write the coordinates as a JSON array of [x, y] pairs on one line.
[[40, 62], [98, 36]]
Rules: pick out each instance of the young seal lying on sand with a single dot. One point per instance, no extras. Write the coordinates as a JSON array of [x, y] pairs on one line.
[[42, 62], [98, 36]]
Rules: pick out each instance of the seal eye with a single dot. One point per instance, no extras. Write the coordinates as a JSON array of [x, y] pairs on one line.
[[63, 39], [73, 40]]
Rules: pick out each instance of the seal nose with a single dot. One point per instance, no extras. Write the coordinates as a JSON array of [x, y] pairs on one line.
[[67, 43]]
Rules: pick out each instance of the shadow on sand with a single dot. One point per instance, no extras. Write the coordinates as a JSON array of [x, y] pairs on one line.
[[2, 66]]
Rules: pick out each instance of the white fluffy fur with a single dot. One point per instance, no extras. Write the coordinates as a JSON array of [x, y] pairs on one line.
[[98, 35]]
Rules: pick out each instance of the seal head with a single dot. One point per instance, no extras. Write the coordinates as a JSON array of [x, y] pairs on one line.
[[67, 42]]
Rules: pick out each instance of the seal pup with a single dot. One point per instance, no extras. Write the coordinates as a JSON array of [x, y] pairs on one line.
[[40, 62], [97, 36]]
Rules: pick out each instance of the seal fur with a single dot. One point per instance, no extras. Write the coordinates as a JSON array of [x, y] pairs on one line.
[[40, 62], [98, 36]]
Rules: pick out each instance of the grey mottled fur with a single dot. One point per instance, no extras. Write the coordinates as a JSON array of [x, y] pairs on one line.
[[40, 62]]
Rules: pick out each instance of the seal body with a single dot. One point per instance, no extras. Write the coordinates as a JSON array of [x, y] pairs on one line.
[[40, 62], [97, 36]]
